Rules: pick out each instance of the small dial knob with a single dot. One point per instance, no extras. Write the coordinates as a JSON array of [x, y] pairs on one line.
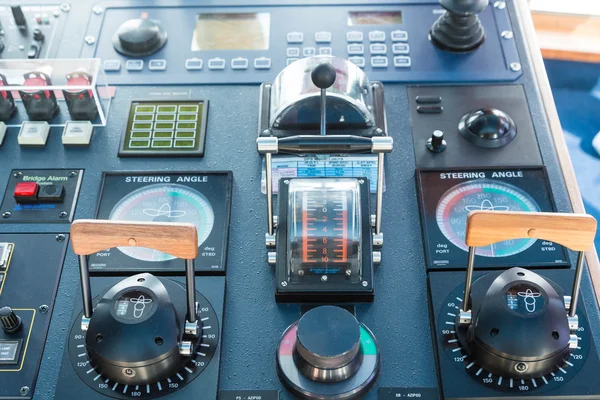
[[328, 343], [11, 322], [488, 127], [436, 143], [139, 37]]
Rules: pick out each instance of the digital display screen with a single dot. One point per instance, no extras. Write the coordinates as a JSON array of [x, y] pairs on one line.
[[375, 18], [240, 31], [168, 126]]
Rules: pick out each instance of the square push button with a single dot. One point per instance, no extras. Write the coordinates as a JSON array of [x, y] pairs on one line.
[[157, 65], [134, 65], [193, 64], [34, 133], [111, 65], [10, 351], [52, 193], [26, 192], [77, 133]]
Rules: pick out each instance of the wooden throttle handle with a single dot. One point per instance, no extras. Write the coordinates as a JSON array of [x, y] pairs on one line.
[[90, 235], [575, 231]]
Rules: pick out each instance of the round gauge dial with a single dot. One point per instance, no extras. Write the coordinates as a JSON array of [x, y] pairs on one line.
[[482, 194], [164, 203]]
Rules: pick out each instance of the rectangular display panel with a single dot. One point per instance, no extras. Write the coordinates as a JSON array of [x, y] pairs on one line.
[[240, 31], [165, 127], [374, 18]]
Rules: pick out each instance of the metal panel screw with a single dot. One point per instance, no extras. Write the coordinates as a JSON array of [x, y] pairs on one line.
[[90, 39], [500, 5], [18, 174], [361, 181], [365, 283], [324, 278], [507, 35], [97, 10], [24, 391], [6, 214], [60, 238], [44, 309], [284, 283], [287, 182], [515, 67], [65, 7], [72, 174], [63, 214]]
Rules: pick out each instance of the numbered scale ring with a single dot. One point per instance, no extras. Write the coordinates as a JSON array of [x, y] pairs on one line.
[[526, 300], [131, 305]]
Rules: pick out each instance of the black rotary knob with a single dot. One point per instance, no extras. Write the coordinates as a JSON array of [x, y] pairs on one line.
[[488, 127], [139, 37], [328, 343], [11, 322], [436, 143], [520, 327]]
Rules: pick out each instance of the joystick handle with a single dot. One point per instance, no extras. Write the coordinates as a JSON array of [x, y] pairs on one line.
[[323, 76], [177, 239], [575, 231]]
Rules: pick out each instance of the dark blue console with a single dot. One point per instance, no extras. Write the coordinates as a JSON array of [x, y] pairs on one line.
[[203, 109]]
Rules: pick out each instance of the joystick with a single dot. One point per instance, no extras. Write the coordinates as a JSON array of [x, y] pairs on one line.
[[323, 76], [459, 28]]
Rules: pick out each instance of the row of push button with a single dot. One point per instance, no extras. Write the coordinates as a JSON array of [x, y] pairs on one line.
[[382, 61], [134, 65], [35, 133], [357, 49], [376, 36], [298, 37], [238, 63]]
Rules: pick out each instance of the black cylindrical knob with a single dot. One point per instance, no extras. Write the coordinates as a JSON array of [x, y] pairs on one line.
[[437, 138], [323, 75], [328, 337], [38, 35], [11, 322], [436, 143]]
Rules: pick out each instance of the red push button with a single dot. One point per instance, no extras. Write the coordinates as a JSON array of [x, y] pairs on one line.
[[26, 191]]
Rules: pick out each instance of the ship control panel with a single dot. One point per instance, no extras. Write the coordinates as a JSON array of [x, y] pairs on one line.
[[288, 199]]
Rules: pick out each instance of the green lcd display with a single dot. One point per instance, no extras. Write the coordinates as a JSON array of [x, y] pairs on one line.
[[163, 128]]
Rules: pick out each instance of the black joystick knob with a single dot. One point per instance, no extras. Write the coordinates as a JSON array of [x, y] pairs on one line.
[[328, 343], [488, 127], [436, 142], [139, 37], [11, 322], [459, 29], [323, 75]]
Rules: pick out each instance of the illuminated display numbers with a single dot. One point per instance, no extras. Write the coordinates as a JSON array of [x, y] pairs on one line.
[[164, 126], [323, 241]]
